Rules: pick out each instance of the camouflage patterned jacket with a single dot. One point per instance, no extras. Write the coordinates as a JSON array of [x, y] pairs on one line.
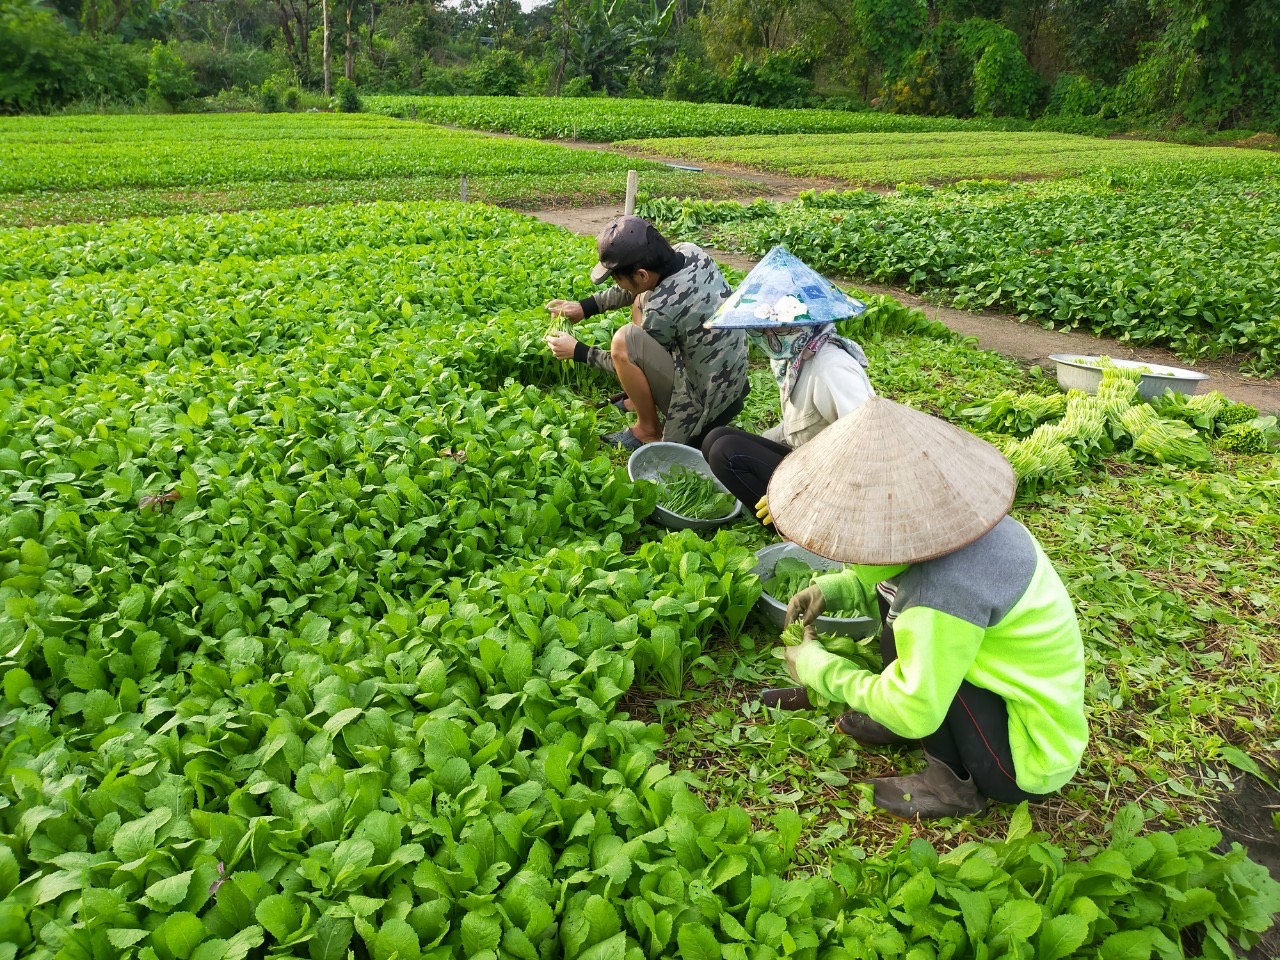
[[710, 365]]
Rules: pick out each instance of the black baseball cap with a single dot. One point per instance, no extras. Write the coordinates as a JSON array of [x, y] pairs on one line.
[[625, 242]]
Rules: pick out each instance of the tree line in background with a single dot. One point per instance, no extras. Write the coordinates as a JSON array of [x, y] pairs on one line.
[[1078, 64]]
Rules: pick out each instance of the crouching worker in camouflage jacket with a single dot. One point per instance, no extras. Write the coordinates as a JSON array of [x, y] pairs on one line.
[[665, 360]]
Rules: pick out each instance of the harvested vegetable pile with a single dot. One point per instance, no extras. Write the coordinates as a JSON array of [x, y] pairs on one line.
[[692, 495]]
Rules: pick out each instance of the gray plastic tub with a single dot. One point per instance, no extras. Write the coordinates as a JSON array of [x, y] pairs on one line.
[[653, 460], [776, 610], [1080, 372]]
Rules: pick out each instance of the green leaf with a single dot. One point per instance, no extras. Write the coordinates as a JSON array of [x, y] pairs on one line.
[[179, 935], [16, 682], [1242, 761], [480, 932], [697, 943], [1128, 821], [1019, 823], [123, 939], [8, 871], [164, 895], [396, 941], [331, 938], [350, 858], [279, 915], [975, 906], [51, 886], [315, 631], [199, 413], [1015, 921], [146, 651], [517, 666], [341, 719], [1127, 945], [615, 948], [601, 917], [1061, 937], [556, 767]]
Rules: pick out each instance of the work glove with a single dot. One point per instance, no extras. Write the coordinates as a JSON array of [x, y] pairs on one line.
[[762, 511], [806, 606], [792, 654]]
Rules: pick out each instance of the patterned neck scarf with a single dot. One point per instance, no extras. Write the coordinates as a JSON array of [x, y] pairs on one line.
[[787, 352]]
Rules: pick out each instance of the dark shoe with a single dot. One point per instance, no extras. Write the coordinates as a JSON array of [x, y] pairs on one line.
[[867, 731], [786, 698], [934, 792], [624, 438]]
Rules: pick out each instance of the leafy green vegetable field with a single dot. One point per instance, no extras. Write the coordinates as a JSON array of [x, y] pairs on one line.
[[329, 630], [870, 157], [59, 169], [616, 118], [1137, 253]]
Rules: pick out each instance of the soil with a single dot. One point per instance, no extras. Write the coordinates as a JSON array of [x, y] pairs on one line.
[[1244, 817], [994, 331]]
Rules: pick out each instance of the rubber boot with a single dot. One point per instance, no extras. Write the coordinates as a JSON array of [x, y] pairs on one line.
[[786, 698], [934, 792], [866, 731]]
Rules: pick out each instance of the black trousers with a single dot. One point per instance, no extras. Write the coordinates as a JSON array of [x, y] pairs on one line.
[[743, 461], [723, 417], [974, 737]]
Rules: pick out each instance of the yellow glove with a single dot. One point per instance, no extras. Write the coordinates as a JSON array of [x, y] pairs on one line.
[[762, 511]]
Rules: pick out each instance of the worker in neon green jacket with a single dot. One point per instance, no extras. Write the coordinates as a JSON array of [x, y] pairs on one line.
[[982, 652]]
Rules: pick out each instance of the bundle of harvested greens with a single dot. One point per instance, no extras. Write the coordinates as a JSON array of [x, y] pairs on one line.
[[690, 494]]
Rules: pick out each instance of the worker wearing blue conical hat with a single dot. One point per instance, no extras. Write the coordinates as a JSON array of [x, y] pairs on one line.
[[789, 312]]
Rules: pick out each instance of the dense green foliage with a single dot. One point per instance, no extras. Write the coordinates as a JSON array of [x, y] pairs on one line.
[[321, 612], [881, 157], [328, 624], [165, 165], [620, 119], [35, 154]]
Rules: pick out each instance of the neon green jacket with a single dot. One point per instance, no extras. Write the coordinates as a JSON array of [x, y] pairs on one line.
[[994, 613]]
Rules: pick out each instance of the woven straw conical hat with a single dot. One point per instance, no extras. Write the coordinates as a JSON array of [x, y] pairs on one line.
[[888, 485]]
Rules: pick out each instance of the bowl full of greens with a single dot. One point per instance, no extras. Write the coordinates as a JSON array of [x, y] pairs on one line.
[[786, 568], [1079, 372], [689, 495]]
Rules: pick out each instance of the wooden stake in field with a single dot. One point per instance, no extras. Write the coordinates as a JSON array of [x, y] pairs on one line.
[[633, 182], [464, 188]]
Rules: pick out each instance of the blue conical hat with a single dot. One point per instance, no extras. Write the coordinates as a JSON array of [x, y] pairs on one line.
[[782, 291]]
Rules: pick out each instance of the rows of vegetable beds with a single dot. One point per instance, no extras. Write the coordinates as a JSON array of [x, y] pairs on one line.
[[620, 118], [874, 157], [325, 616], [1186, 256], [65, 169]]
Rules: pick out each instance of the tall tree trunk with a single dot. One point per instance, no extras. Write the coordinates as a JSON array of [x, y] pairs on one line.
[[564, 46], [324, 12], [290, 45], [349, 54]]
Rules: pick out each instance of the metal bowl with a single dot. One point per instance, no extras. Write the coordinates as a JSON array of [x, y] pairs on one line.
[[653, 460], [1079, 372], [776, 611]]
